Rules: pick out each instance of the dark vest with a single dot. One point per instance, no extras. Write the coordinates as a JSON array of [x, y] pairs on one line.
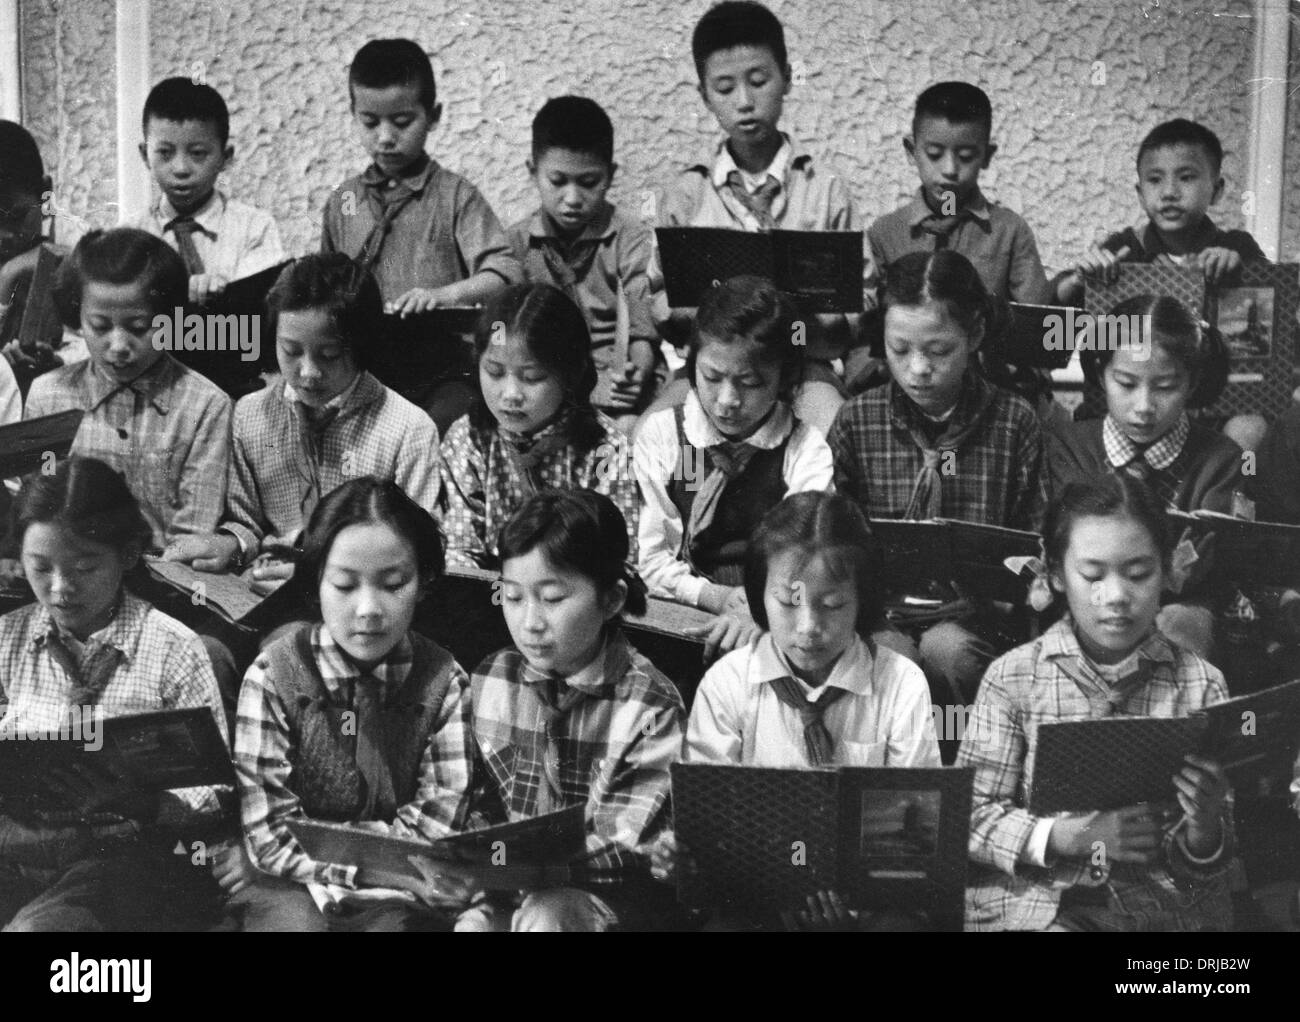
[[323, 752]]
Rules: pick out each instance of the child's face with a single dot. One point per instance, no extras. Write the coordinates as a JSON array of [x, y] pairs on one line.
[[117, 323], [1177, 185], [77, 580], [928, 352], [521, 393], [735, 388], [1145, 396], [571, 186], [949, 158], [368, 591], [745, 89], [20, 224], [185, 158], [392, 124], [313, 357], [811, 614], [1111, 578], [555, 616]]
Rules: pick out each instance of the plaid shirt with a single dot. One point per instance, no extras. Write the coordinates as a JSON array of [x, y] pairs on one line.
[[274, 461], [265, 750], [1025, 688], [999, 475], [612, 751], [235, 239], [164, 667], [167, 432], [483, 488]]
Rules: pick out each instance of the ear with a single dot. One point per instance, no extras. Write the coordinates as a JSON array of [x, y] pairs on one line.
[[1218, 191], [977, 335], [909, 147], [131, 554], [990, 151], [144, 153], [703, 91], [228, 155], [614, 599], [532, 167], [435, 116], [1057, 583], [613, 169], [789, 78]]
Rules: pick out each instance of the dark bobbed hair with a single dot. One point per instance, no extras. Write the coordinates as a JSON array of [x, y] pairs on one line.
[[948, 277], [957, 102], [749, 308], [578, 530], [1110, 494], [89, 499], [382, 63], [575, 123], [1181, 131], [818, 524], [1197, 347], [183, 99], [22, 172], [340, 287], [735, 23], [123, 255]]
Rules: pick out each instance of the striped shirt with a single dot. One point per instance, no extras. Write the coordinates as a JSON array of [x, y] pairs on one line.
[[235, 240], [1012, 886], [265, 750], [611, 751], [167, 432]]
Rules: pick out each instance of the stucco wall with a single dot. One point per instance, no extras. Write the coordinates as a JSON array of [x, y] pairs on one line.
[[1067, 144]]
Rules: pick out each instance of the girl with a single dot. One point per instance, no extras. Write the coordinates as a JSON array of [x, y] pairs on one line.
[[355, 718], [1108, 550], [532, 425], [939, 440], [163, 426], [89, 645], [814, 689], [341, 422], [711, 468], [1146, 433], [572, 714]]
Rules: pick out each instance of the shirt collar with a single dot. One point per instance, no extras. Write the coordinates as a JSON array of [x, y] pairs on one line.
[[1154, 244], [343, 401], [919, 211], [1060, 641], [791, 156], [971, 401], [853, 672], [701, 432], [1120, 450], [155, 384], [338, 669], [415, 182], [608, 665], [600, 228], [208, 216], [122, 633]]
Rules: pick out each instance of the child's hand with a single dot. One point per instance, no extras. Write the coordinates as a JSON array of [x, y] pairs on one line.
[[206, 286], [1218, 263], [419, 299], [825, 913], [232, 868], [215, 553], [442, 888], [625, 390], [725, 633], [269, 574], [1101, 263], [1202, 792], [1132, 834], [670, 860]]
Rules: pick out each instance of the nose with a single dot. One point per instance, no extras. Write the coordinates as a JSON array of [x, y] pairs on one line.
[[119, 341], [806, 620], [1142, 403], [367, 605], [1110, 591], [572, 196], [947, 165], [744, 99], [61, 583], [728, 396], [309, 371], [511, 393], [533, 620], [387, 133], [919, 366]]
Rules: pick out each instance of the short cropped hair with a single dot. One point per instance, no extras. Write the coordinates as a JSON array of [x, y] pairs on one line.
[[382, 63], [1181, 131], [22, 172], [340, 287], [182, 99], [735, 23], [957, 102], [123, 255], [574, 123]]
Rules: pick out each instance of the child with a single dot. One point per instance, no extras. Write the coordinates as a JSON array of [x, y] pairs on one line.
[[711, 468], [329, 420], [1108, 550], [939, 441], [815, 689], [1146, 433], [592, 251], [401, 767], [89, 646], [758, 178], [572, 714], [163, 426], [425, 232], [532, 425], [186, 147]]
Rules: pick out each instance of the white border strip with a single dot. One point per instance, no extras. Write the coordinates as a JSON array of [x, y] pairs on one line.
[[132, 90], [1268, 122]]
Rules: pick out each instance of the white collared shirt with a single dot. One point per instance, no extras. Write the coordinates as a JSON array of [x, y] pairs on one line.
[[886, 720], [237, 240], [726, 163]]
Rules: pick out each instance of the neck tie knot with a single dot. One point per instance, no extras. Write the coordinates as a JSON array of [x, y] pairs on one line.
[[184, 228], [758, 202]]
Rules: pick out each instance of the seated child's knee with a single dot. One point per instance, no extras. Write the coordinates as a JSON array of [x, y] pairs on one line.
[[1247, 430], [562, 910], [1188, 626], [900, 642], [817, 403], [952, 652]]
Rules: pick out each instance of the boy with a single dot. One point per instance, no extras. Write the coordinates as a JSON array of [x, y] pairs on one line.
[[186, 147], [757, 178], [426, 233], [583, 245]]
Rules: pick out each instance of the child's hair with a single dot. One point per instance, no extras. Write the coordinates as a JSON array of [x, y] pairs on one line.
[[1112, 494], [1181, 131], [576, 530], [553, 329], [818, 524], [342, 288], [943, 276], [182, 99], [123, 255], [86, 497], [957, 102], [735, 23], [22, 172], [575, 123], [751, 309], [382, 63], [369, 500], [1168, 324]]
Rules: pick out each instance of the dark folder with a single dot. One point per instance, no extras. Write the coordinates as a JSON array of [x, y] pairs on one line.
[[1040, 336], [33, 444], [423, 347]]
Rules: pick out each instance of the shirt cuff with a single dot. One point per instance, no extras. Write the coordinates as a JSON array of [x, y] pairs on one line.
[[1035, 850], [689, 589]]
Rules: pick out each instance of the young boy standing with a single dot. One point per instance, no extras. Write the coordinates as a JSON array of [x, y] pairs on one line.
[[589, 249], [426, 233]]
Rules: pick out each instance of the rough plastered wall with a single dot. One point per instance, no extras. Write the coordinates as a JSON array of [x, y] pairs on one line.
[[1068, 126]]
